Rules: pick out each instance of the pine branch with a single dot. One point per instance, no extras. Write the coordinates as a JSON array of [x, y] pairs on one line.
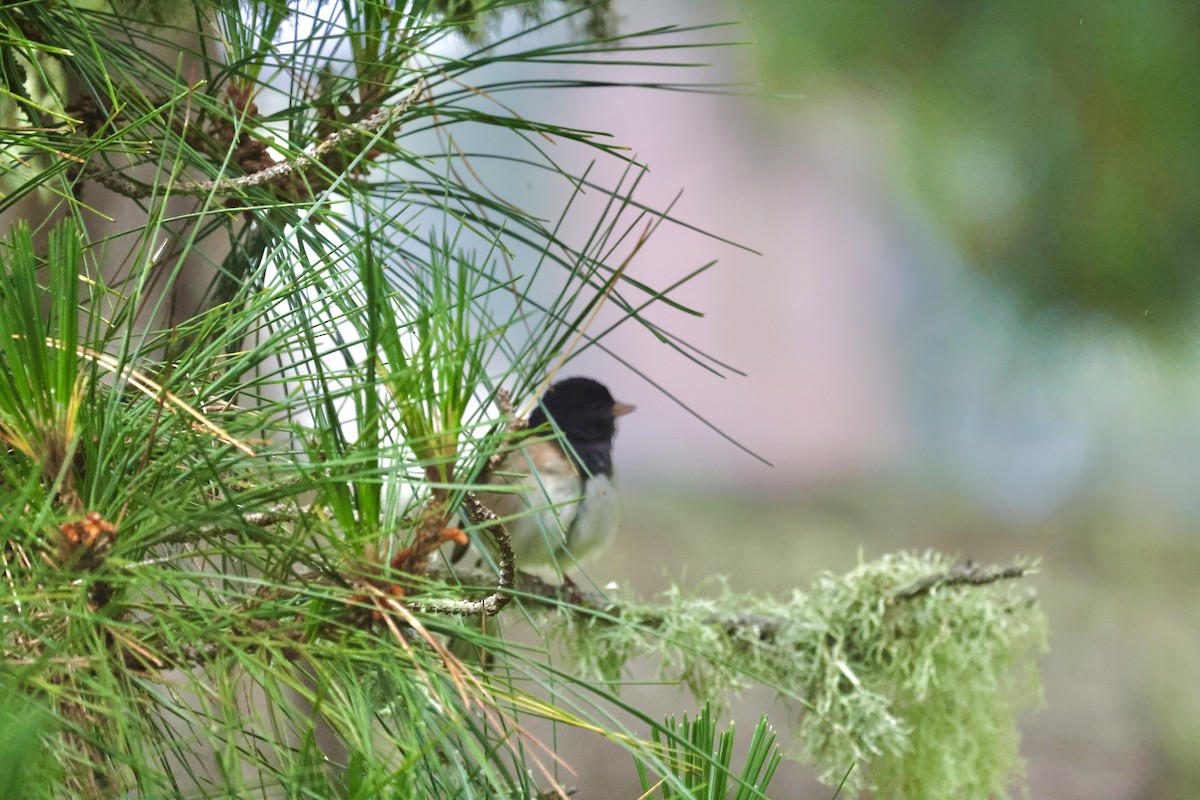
[[277, 174]]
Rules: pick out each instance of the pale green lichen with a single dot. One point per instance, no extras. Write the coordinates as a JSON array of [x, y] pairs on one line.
[[916, 697]]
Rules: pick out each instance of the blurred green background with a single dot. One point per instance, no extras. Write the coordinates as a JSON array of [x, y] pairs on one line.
[[1056, 142]]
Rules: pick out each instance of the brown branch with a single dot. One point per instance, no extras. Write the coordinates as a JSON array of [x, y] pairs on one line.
[[964, 573]]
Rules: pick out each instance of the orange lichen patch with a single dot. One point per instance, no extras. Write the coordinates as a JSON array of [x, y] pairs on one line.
[[414, 559], [456, 535], [86, 542]]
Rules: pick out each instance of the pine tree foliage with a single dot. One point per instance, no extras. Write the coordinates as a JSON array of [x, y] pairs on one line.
[[261, 314]]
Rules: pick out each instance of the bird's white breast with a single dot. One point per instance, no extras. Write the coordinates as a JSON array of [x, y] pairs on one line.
[[555, 517], [596, 522], [574, 520]]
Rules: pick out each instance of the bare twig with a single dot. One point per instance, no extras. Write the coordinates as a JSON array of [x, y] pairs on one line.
[[962, 574], [490, 605]]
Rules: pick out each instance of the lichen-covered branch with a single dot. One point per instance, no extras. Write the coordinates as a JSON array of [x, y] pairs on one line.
[[535, 590], [910, 668], [494, 602]]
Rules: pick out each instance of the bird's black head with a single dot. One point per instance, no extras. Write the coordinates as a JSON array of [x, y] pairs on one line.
[[586, 413]]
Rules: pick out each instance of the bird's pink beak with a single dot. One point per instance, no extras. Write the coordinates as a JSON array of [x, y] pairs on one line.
[[621, 409]]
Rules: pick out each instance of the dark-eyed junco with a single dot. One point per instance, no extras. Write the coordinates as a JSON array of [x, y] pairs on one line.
[[562, 506]]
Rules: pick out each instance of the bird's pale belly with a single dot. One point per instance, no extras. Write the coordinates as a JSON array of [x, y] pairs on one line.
[[569, 527], [595, 525]]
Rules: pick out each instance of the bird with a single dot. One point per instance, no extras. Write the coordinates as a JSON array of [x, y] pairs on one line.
[[557, 495]]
